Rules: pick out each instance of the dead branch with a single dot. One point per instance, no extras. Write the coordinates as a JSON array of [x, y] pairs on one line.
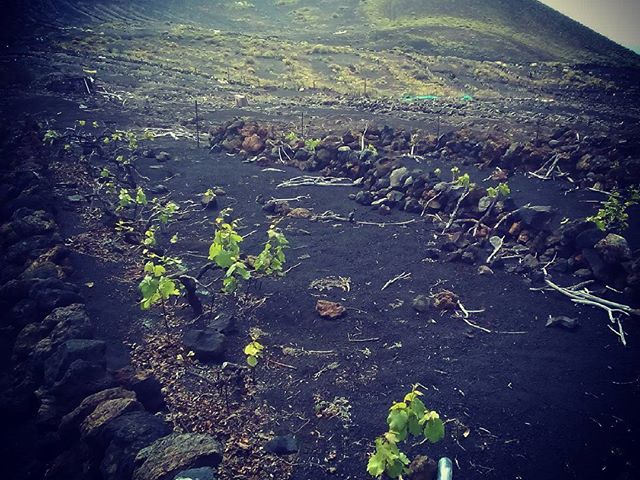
[[497, 243], [402, 276], [584, 297], [306, 180], [464, 195], [508, 215], [362, 340], [283, 365]]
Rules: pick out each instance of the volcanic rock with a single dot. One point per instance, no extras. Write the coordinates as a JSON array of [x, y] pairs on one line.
[[169, 455], [327, 309]]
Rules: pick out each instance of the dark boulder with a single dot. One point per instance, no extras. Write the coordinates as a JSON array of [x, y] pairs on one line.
[[282, 445], [167, 456], [208, 344], [69, 352], [128, 434]]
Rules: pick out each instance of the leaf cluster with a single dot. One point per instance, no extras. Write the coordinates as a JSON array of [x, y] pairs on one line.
[[311, 144], [501, 190], [156, 287], [613, 215], [272, 258], [253, 350], [407, 418]]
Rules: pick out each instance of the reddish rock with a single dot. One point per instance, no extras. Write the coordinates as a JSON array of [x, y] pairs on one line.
[[253, 144], [327, 309]]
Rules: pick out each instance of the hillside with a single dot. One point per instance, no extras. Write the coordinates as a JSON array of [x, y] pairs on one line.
[[507, 30], [511, 30]]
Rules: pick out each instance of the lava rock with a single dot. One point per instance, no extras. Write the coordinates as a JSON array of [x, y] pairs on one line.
[[596, 264], [589, 237], [277, 207], [70, 423], [106, 412], [128, 434], [384, 210], [331, 310], [282, 445], [421, 303], [81, 379], [537, 216], [253, 144], [364, 197], [208, 344], [613, 249], [301, 155], [53, 293], [204, 473], [562, 321], [223, 322], [398, 177], [583, 273], [69, 352], [530, 261], [167, 456], [394, 197], [64, 323], [484, 270], [144, 384], [423, 468]]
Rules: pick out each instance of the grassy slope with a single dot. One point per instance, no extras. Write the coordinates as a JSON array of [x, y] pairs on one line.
[[507, 30], [517, 30]]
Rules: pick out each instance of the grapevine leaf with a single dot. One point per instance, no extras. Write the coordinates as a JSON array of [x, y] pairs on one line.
[[397, 422], [376, 464], [434, 430]]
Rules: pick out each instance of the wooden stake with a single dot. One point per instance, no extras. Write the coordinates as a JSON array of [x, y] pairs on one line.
[[365, 87], [197, 126], [302, 125]]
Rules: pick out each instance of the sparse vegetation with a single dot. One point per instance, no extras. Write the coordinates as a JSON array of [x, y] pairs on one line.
[[408, 418], [613, 215]]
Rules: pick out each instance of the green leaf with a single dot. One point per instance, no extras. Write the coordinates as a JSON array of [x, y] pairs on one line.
[[229, 285], [251, 349], [252, 361], [395, 469], [148, 286], [414, 426], [159, 270], [167, 287], [376, 465], [417, 407], [141, 197], [434, 430], [397, 421]]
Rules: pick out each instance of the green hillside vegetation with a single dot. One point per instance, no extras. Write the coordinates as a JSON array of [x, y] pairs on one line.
[[506, 30], [522, 30]]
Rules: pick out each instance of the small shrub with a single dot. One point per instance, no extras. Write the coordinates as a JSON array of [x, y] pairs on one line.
[[407, 418], [613, 215]]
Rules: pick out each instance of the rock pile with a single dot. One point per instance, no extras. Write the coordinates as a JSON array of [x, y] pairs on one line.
[[65, 414], [391, 179]]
